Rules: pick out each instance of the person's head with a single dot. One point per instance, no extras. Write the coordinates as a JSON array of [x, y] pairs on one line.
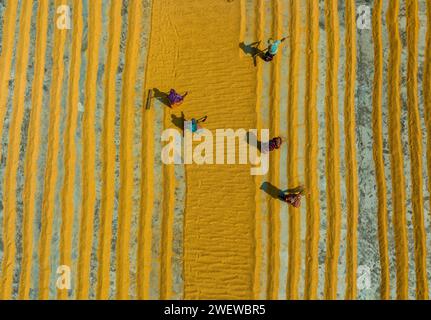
[[293, 199], [278, 142]]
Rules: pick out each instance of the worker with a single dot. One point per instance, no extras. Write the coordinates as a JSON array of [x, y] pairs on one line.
[[293, 196], [176, 99], [193, 125], [272, 49], [273, 144]]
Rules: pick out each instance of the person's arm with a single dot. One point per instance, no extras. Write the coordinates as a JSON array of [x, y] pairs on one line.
[[203, 119], [296, 190]]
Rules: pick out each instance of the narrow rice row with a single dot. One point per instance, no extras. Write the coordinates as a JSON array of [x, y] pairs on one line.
[[167, 225], [50, 180], [243, 20], [146, 213], [9, 200], [147, 205], [260, 22], [274, 205], [332, 151], [378, 151], [311, 153], [350, 153], [294, 263], [108, 151], [67, 203], [32, 156], [396, 155], [126, 149], [6, 56], [89, 148], [427, 91], [415, 141]]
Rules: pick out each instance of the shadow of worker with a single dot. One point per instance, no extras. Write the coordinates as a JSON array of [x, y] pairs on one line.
[[162, 97], [252, 50], [271, 190], [178, 121], [253, 141]]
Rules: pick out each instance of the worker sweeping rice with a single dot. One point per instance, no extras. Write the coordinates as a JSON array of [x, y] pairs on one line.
[[176, 99], [293, 196], [273, 144], [272, 49]]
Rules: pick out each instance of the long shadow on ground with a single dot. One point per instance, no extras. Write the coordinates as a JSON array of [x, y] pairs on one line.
[[178, 121], [272, 190], [253, 50], [162, 97]]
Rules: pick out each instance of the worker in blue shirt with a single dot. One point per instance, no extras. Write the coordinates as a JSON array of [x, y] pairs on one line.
[[194, 125], [272, 49]]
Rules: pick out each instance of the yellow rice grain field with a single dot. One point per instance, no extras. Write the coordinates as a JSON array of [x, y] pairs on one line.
[[89, 209]]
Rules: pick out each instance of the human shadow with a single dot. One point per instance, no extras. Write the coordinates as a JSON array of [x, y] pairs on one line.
[[272, 190], [162, 97], [253, 50], [178, 121], [258, 144]]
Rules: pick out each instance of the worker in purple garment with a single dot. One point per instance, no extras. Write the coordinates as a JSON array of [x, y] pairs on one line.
[[176, 99]]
